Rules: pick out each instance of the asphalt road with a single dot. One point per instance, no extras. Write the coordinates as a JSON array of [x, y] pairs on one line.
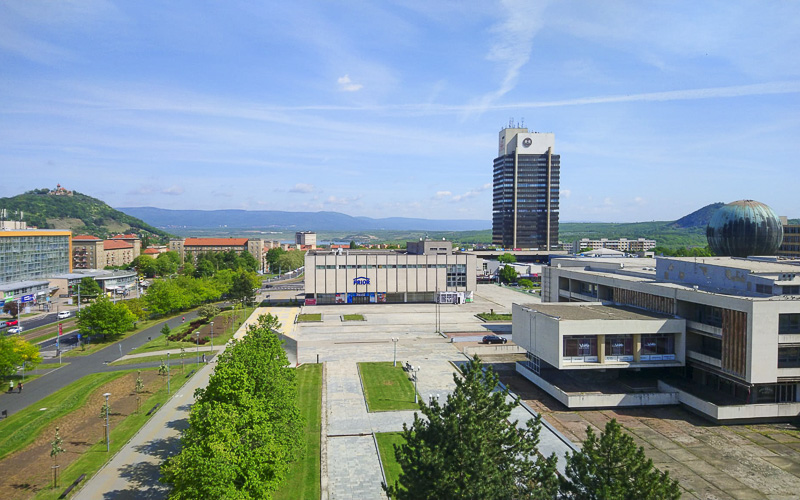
[[80, 366]]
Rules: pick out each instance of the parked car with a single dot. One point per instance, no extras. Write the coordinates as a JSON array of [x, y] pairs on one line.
[[16, 329], [494, 339], [64, 314], [3, 324], [12, 322]]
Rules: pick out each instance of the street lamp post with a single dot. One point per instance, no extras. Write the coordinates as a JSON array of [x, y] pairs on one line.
[[212, 337], [108, 446], [197, 336], [168, 373], [416, 377], [394, 359]]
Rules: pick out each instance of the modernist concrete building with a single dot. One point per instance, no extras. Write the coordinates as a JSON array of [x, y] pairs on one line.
[[525, 190], [26, 254], [427, 271], [791, 241], [622, 244], [306, 239], [729, 328]]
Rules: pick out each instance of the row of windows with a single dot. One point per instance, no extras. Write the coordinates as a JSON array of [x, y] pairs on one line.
[[618, 345], [382, 266]]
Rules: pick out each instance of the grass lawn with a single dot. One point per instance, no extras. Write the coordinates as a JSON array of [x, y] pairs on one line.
[[386, 387], [190, 358], [495, 316], [309, 318], [92, 460], [159, 343], [22, 428], [303, 480], [352, 317], [386, 442]]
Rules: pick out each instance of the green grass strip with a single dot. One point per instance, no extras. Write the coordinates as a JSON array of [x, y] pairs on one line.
[[95, 457], [309, 318], [189, 359], [495, 316], [22, 428], [386, 443], [387, 387], [303, 479], [352, 317]]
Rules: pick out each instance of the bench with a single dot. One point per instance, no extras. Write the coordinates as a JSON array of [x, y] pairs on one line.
[[153, 409], [4, 414], [72, 486]]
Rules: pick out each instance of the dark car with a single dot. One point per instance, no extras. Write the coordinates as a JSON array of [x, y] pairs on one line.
[[494, 339]]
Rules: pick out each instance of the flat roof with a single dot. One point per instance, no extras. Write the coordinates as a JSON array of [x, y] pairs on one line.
[[21, 284], [754, 265], [588, 311]]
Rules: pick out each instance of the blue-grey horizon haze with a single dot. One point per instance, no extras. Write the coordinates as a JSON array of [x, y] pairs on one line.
[[392, 109]]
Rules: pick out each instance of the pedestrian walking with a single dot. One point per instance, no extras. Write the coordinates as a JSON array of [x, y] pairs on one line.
[[19, 386], [183, 320], [204, 358], [10, 386]]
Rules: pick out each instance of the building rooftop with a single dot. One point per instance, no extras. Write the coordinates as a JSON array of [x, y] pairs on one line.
[[755, 265], [591, 311], [16, 285], [116, 245], [85, 237]]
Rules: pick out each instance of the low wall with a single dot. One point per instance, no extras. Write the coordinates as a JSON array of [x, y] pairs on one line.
[[481, 350], [600, 400]]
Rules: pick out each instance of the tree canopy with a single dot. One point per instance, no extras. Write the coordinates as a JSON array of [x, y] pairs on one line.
[[243, 287], [467, 449], [106, 317], [612, 467], [245, 427], [507, 258], [14, 351], [508, 274], [89, 288]]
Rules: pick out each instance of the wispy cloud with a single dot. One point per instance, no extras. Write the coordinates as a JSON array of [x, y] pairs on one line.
[[302, 188], [347, 85], [442, 195], [173, 190]]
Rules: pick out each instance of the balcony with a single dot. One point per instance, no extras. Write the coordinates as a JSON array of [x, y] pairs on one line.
[[714, 331]]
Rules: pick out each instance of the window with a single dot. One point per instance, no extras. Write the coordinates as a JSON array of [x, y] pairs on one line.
[[789, 357], [658, 348], [788, 323], [584, 348], [765, 289], [791, 290], [619, 345]]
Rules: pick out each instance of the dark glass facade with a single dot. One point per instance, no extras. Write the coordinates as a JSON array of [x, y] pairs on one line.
[[527, 190]]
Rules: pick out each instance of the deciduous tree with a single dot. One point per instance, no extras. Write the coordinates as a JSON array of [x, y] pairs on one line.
[[507, 258], [105, 317], [89, 288], [16, 352], [611, 466], [467, 449], [508, 274]]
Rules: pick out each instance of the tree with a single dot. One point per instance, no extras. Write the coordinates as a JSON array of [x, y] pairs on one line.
[[525, 283], [165, 264], [507, 258], [16, 352], [508, 274], [272, 258], [89, 288], [145, 265], [105, 317], [611, 466], [11, 307], [245, 427], [165, 331], [243, 287], [467, 449], [208, 311], [55, 451]]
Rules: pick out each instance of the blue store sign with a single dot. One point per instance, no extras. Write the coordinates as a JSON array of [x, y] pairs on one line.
[[26, 298], [361, 280]]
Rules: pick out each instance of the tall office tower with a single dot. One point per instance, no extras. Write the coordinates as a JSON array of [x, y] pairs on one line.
[[525, 195]]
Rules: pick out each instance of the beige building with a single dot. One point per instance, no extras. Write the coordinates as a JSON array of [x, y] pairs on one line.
[[192, 247], [306, 240], [622, 245], [732, 324], [90, 252], [791, 241], [428, 271]]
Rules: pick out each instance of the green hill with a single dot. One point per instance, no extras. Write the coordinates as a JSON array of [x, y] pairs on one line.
[[76, 211]]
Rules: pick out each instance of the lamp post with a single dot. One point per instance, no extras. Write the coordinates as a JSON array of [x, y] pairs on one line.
[[197, 336], [168, 373], [394, 359], [212, 337], [416, 394], [108, 446]]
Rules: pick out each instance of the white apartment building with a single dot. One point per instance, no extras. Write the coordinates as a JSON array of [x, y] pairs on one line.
[[622, 245]]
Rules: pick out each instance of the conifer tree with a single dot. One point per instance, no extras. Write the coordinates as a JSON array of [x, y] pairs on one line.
[[612, 467]]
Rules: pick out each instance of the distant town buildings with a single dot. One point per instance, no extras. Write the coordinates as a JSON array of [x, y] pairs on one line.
[[306, 240], [622, 245], [525, 190]]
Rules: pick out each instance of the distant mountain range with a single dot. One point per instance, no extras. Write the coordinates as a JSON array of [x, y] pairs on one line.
[[295, 221]]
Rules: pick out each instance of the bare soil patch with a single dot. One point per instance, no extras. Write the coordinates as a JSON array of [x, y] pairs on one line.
[[27, 471]]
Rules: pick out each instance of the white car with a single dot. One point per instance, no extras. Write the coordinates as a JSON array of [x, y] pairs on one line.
[[64, 314], [16, 329]]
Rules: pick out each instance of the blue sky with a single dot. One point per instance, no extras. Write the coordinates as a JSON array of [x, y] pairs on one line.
[[388, 108]]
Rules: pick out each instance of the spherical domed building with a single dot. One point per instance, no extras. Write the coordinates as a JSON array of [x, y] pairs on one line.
[[743, 228]]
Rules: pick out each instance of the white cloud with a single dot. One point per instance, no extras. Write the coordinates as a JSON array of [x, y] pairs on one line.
[[565, 193], [443, 194], [347, 85], [302, 188], [471, 193], [173, 190]]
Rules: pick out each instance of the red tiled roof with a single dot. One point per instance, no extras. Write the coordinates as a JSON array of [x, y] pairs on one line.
[[115, 245], [85, 237], [151, 251], [124, 236], [215, 242], [340, 246]]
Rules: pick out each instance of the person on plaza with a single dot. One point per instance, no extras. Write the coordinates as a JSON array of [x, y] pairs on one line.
[[10, 386], [204, 358], [19, 386], [183, 320]]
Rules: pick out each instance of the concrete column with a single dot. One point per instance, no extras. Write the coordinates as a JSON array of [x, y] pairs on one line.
[[637, 347], [601, 349]]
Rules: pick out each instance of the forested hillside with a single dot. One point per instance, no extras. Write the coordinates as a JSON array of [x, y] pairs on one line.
[[78, 212]]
